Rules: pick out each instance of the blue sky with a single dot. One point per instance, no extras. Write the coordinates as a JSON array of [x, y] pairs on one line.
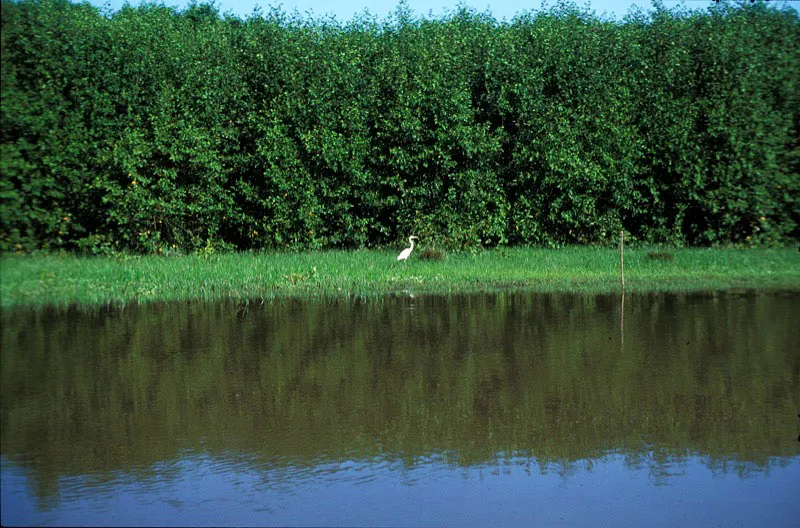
[[345, 10]]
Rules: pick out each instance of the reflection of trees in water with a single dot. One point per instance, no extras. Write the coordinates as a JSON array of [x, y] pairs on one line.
[[479, 380]]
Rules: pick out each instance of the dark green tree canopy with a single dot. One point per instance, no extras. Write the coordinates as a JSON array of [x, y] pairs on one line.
[[153, 129]]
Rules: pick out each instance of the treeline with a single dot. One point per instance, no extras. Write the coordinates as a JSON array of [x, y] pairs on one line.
[[153, 129]]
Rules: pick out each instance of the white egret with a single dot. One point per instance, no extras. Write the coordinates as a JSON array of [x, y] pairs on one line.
[[407, 251]]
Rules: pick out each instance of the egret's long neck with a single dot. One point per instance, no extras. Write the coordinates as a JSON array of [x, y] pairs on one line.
[[412, 243]]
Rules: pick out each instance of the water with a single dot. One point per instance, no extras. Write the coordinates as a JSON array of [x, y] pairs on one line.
[[512, 409]]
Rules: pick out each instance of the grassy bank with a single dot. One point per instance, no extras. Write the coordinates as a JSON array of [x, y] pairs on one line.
[[62, 280]]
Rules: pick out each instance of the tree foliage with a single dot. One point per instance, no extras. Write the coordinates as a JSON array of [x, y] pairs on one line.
[[153, 129]]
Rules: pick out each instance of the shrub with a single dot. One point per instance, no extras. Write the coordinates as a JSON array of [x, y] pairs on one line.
[[152, 129]]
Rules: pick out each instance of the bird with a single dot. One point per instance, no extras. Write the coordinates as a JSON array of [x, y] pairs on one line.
[[407, 251]]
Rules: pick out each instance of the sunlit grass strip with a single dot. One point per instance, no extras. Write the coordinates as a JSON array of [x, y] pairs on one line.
[[63, 280]]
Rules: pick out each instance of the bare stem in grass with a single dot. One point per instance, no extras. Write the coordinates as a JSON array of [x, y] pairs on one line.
[[621, 257], [622, 321]]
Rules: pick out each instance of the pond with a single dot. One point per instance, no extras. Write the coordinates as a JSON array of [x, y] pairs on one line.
[[507, 409]]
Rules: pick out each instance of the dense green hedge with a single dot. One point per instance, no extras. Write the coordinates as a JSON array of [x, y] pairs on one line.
[[152, 129]]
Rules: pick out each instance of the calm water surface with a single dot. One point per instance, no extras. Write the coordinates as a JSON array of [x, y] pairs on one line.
[[508, 409]]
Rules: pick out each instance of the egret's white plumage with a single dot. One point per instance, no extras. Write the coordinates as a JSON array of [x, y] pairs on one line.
[[407, 251]]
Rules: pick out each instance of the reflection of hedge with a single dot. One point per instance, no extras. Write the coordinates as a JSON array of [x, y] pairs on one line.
[[153, 129], [546, 376]]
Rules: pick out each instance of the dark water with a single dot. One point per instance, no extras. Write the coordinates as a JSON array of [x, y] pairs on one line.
[[508, 410]]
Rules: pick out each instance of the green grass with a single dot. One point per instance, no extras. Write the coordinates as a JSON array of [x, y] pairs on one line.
[[62, 280]]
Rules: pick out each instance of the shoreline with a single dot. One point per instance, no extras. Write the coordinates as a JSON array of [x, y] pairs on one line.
[[60, 281]]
